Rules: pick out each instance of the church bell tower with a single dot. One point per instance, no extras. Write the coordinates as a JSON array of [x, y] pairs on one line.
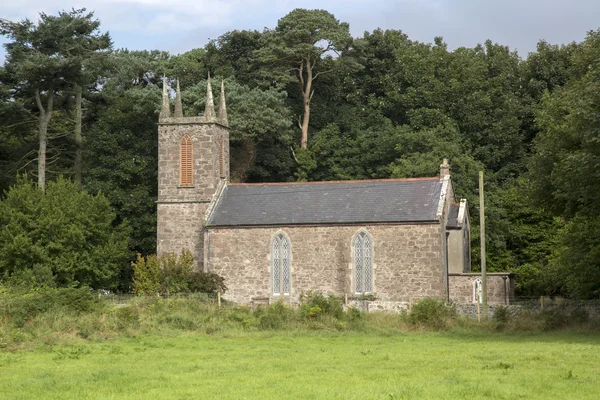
[[193, 166]]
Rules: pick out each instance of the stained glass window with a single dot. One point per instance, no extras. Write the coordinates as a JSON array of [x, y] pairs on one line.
[[280, 262], [363, 263]]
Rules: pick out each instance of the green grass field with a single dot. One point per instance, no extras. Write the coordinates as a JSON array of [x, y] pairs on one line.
[[306, 365]]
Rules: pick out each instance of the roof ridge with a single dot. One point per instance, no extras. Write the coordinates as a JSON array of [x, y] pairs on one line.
[[434, 178]]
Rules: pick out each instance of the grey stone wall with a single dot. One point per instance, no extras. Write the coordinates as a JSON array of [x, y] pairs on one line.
[[179, 226], [206, 138], [461, 288], [181, 210], [407, 261]]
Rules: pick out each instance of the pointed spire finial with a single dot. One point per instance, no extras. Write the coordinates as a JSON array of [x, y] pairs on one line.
[[222, 106], [444, 168], [178, 106], [165, 111], [209, 109]]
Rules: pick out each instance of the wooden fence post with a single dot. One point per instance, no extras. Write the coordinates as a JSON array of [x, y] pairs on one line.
[[409, 304], [478, 312], [219, 298]]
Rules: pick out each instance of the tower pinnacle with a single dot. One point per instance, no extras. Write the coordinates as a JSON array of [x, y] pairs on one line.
[[209, 109], [165, 111], [178, 106], [222, 106]]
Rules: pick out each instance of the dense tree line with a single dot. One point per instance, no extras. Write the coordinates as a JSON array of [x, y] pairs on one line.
[[309, 102]]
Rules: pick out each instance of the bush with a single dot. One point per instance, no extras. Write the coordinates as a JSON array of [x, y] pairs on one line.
[[315, 304], [61, 238], [171, 273], [277, 315], [20, 307], [432, 313], [206, 282]]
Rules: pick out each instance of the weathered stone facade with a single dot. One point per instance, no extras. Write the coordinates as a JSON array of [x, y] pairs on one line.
[[407, 260], [500, 288], [409, 257]]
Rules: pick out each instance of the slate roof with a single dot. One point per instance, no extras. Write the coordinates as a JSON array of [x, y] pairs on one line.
[[453, 216], [390, 200]]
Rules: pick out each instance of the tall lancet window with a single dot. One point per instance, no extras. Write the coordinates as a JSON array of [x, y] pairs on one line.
[[280, 265], [186, 160], [363, 263]]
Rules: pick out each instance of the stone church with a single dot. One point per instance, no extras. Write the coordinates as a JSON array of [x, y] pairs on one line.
[[391, 241]]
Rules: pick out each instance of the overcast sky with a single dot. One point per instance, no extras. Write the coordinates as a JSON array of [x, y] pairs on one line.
[[181, 25]]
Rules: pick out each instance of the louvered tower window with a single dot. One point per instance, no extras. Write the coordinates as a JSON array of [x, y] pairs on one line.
[[186, 158], [363, 263], [280, 265]]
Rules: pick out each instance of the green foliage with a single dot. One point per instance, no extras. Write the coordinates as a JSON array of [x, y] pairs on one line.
[[173, 273], [259, 129], [18, 307], [432, 313], [64, 237], [164, 275], [565, 173], [316, 304], [206, 282]]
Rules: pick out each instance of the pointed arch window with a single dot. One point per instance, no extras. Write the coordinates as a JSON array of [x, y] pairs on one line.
[[363, 263], [477, 291], [280, 265], [186, 158]]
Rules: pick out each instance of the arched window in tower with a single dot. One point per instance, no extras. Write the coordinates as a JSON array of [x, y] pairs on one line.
[[186, 160], [363, 263], [280, 265]]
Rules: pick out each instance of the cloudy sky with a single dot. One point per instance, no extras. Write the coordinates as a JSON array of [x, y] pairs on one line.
[[181, 25]]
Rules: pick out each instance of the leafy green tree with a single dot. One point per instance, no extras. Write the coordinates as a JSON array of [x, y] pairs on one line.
[[122, 159], [234, 54], [301, 42], [36, 69], [85, 49], [260, 134], [565, 169], [65, 237]]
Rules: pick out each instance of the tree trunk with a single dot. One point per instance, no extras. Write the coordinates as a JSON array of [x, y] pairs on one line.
[[306, 98], [45, 115], [78, 137]]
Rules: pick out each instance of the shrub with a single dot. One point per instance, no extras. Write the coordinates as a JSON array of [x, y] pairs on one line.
[[171, 273], [554, 318], [21, 307], [316, 304], [146, 275], [61, 238], [432, 313], [501, 315], [277, 315], [206, 282]]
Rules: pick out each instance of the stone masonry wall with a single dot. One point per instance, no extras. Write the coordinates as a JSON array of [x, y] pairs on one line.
[[179, 226], [181, 210], [407, 261], [461, 288], [206, 139]]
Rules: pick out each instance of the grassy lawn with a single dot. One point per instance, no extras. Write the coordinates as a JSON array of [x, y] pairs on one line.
[[310, 366]]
